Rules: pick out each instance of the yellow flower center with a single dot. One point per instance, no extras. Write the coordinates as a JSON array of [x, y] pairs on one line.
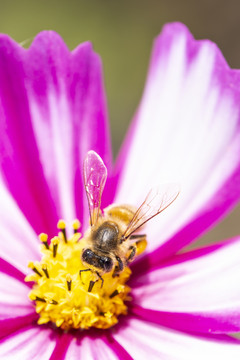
[[61, 290]]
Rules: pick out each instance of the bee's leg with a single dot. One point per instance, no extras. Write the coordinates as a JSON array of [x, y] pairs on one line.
[[120, 263], [80, 273], [100, 278], [119, 267], [140, 244], [132, 253], [91, 284]]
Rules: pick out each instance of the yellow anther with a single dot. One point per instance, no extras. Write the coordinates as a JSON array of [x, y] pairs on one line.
[[55, 240], [76, 225], [68, 278], [32, 296], [61, 224], [31, 265], [43, 237]]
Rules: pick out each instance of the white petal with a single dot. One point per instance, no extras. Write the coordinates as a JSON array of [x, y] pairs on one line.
[[186, 131], [143, 340]]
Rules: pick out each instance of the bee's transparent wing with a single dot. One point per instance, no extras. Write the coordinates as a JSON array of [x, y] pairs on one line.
[[95, 175], [156, 201]]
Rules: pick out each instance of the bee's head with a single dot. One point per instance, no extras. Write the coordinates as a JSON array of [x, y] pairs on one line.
[[102, 262]]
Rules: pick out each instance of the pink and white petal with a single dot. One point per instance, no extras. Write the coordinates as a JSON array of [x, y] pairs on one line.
[[143, 340], [30, 343], [62, 344], [186, 131], [198, 291], [18, 241], [90, 348], [52, 111], [14, 300], [19, 156], [11, 325], [69, 117], [117, 348]]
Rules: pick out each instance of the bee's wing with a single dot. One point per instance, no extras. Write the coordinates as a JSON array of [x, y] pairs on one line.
[[95, 175], [156, 201]]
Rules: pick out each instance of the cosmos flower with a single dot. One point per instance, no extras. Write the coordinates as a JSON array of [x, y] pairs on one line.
[[186, 130]]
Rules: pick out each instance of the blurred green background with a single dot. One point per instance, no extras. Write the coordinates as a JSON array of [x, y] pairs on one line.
[[122, 33]]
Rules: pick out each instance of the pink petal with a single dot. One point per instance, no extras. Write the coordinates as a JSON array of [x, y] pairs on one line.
[[18, 242], [53, 110], [14, 300], [28, 344], [88, 348], [19, 156], [11, 325], [186, 131], [7, 268], [117, 348], [143, 340], [194, 292], [62, 344]]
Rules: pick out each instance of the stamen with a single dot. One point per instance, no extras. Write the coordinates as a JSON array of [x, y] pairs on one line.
[[62, 226], [114, 294], [45, 270], [53, 302], [55, 242], [33, 267], [69, 282], [91, 285], [76, 225], [39, 299], [71, 295], [43, 238]]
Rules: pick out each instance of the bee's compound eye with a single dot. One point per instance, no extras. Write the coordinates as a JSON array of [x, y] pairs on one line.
[[107, 263], [87, 255], [101, 262]]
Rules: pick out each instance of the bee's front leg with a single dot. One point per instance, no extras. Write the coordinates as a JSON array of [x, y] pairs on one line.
[[119, 267], [132, 254], [80, 274], [140, 244], [99, 277], [92, 283]]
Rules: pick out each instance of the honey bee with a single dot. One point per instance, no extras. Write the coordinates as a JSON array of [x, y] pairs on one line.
[[111, 242]]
